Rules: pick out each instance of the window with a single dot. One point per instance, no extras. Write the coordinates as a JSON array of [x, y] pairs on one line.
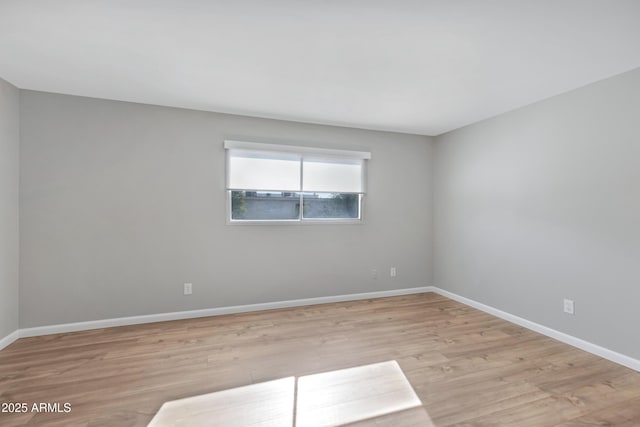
[[268, 182]]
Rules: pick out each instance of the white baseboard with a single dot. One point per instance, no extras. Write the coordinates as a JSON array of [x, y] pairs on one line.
[[5, 341], [134, 320], [605, 353], [178, 315]]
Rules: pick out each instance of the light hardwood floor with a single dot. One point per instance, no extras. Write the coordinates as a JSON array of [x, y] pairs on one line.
[[467, 367]]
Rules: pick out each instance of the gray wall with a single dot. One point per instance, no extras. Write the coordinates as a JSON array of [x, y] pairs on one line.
[[122, 203], [543, 203], [9, 223]]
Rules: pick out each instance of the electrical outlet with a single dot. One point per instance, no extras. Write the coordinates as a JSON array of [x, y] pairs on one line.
[[188, 288], [393, 272], [568, 306], [374, 273]]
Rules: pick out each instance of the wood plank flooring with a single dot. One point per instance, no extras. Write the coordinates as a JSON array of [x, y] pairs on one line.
[[467, 367]]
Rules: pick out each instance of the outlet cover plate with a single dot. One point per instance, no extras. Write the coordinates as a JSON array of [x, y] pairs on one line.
[[568, 306], [188, 288]]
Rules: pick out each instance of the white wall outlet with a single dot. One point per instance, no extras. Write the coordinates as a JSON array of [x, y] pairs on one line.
[[393, 272], [188, 288], [374, 273], [568, 306]]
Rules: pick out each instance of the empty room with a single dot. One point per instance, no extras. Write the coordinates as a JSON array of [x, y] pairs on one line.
[[319, 213]]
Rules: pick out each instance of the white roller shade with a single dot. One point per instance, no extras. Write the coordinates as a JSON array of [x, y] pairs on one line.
[[333, 176], [270, 167], [262, 171]]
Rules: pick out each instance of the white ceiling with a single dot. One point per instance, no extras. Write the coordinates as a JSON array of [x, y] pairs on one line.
[[421, 66]]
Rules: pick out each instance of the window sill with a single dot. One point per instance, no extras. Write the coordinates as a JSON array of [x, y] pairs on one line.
[[270, 222]]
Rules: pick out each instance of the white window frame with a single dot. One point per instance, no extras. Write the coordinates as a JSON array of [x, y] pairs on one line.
[[302, 151]]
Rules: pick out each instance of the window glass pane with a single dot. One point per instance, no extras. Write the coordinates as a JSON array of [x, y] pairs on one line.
[[331, 206], [263, 172], [265, 205], [344, 176]]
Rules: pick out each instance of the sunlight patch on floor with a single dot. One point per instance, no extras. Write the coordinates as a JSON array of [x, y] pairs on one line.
[[348, 395], [260, 405], [379, 393]]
